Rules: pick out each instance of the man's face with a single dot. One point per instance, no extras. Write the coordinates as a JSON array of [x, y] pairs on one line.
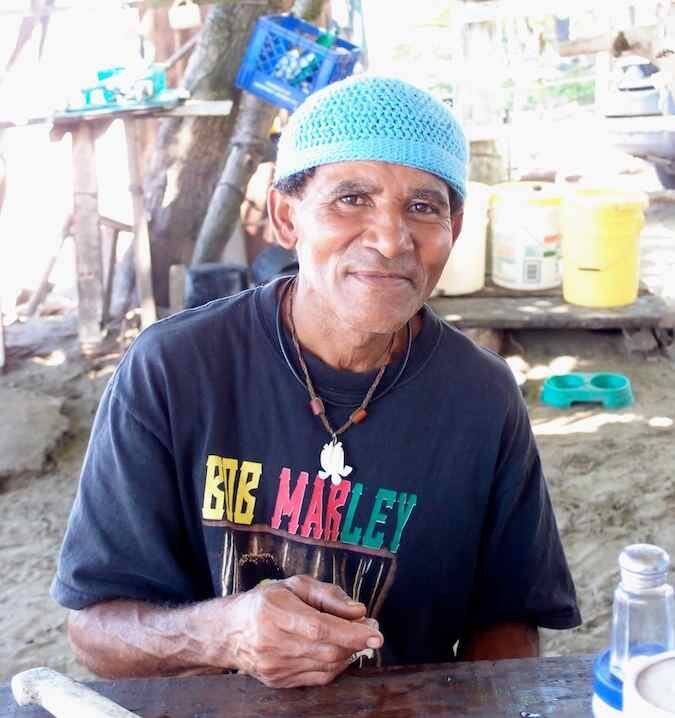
[[371, 237]]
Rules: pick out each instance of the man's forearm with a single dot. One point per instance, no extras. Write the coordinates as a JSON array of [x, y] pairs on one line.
[[504, 640], [131, 638]]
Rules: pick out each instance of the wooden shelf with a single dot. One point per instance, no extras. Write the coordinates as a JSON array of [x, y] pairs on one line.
[[499, 308]]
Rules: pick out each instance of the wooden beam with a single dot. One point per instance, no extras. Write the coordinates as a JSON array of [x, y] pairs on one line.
[[88, 258], [635, 39], [142, 260], [552, 312], [200, 108], [188, 108], [181, 52]]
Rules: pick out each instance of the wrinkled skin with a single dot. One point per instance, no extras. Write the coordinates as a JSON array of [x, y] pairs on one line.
[[300, 632], [372, 239], [294, 632]]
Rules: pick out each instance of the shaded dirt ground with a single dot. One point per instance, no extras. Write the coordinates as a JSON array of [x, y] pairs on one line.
[[611, 473]]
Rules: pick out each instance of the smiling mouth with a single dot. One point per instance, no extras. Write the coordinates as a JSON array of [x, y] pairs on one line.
[[381, 278]]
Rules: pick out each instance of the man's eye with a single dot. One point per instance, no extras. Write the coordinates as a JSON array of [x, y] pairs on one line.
[[423, 208], [352, 199]]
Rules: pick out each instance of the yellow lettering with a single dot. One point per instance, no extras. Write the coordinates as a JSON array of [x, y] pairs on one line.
[[249, 478], [230, 467], [214, 496], [228, 491]]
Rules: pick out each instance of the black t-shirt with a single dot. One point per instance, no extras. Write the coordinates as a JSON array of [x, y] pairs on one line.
[[204, 475]]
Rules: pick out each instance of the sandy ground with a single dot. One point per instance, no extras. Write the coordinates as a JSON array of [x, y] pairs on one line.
[[611, 476]]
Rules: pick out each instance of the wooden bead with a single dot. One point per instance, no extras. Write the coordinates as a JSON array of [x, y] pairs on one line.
[[358, 416], [316, 405]]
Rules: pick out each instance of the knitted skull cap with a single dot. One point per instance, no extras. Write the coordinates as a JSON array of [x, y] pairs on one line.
[[374, 118]]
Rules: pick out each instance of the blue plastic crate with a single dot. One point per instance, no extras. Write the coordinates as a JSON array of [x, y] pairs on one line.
[[284, 65]]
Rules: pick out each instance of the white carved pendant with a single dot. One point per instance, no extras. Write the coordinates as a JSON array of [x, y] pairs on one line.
[[333, 462]]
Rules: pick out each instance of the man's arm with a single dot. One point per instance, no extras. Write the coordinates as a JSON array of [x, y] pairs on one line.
[[505, 640], [298, 631], [120, 639]]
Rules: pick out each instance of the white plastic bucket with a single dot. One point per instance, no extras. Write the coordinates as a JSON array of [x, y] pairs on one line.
[[649, 687], [526, 235], [464, 271]]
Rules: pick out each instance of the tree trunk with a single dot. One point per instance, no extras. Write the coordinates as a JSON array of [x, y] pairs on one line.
[[247, 145], [250, 133], [190, 152]]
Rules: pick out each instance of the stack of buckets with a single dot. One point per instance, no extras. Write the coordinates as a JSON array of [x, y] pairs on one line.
[[544, 235]]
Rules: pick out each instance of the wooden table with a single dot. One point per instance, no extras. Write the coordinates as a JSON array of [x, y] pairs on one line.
[[85, 127], [495, 307], [533, 687]]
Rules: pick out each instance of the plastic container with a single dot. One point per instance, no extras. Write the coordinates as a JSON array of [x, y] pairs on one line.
[[643, 623], [607, 699], [642, 639], [212, 280], [284, 63], [649, 687], [601, 260], [464, 271], [611, 390], [526, 235], [184, 15]]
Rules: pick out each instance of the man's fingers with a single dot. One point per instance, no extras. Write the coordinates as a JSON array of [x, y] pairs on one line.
[[297, 649], [325, 597], [324, 628], [308, 677]]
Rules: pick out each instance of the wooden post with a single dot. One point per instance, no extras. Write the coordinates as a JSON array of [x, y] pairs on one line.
[[87, 238], [142, 261]]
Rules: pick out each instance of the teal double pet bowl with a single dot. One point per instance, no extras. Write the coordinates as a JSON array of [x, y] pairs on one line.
[[611, 390]]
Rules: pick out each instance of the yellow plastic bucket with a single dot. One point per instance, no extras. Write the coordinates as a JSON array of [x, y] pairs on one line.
[[526, 235], [600, 249]]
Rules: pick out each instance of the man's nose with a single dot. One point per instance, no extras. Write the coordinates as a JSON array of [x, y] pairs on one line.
[[389, 234]]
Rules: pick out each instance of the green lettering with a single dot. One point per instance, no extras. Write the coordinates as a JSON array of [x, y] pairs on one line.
[[406, 503], [349, 534], [372, 539]]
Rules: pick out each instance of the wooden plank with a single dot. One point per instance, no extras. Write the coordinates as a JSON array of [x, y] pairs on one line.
[[201, 108], [16, 120], [493, 291], [550, 313], [639, 40], [88, 258], [189, 108], [170, 108], [142, 258], [559, 687]]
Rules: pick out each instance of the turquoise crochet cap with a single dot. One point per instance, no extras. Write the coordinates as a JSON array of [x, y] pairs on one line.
[[374, 118]]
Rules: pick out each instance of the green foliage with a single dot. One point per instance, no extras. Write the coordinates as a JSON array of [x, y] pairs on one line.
[[581, 92]]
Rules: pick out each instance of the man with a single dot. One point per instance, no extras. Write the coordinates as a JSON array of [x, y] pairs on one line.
[[319, 470]]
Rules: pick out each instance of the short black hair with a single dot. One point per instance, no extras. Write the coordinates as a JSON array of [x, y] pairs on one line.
[[294, 186]]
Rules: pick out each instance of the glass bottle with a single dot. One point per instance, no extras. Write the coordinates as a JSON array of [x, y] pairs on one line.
[[643, 616]]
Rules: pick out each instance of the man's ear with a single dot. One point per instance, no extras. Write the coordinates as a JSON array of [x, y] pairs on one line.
[[280, 210], [456, 221]]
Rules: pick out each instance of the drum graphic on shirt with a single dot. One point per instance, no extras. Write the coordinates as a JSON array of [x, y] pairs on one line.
[[255, 553]]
